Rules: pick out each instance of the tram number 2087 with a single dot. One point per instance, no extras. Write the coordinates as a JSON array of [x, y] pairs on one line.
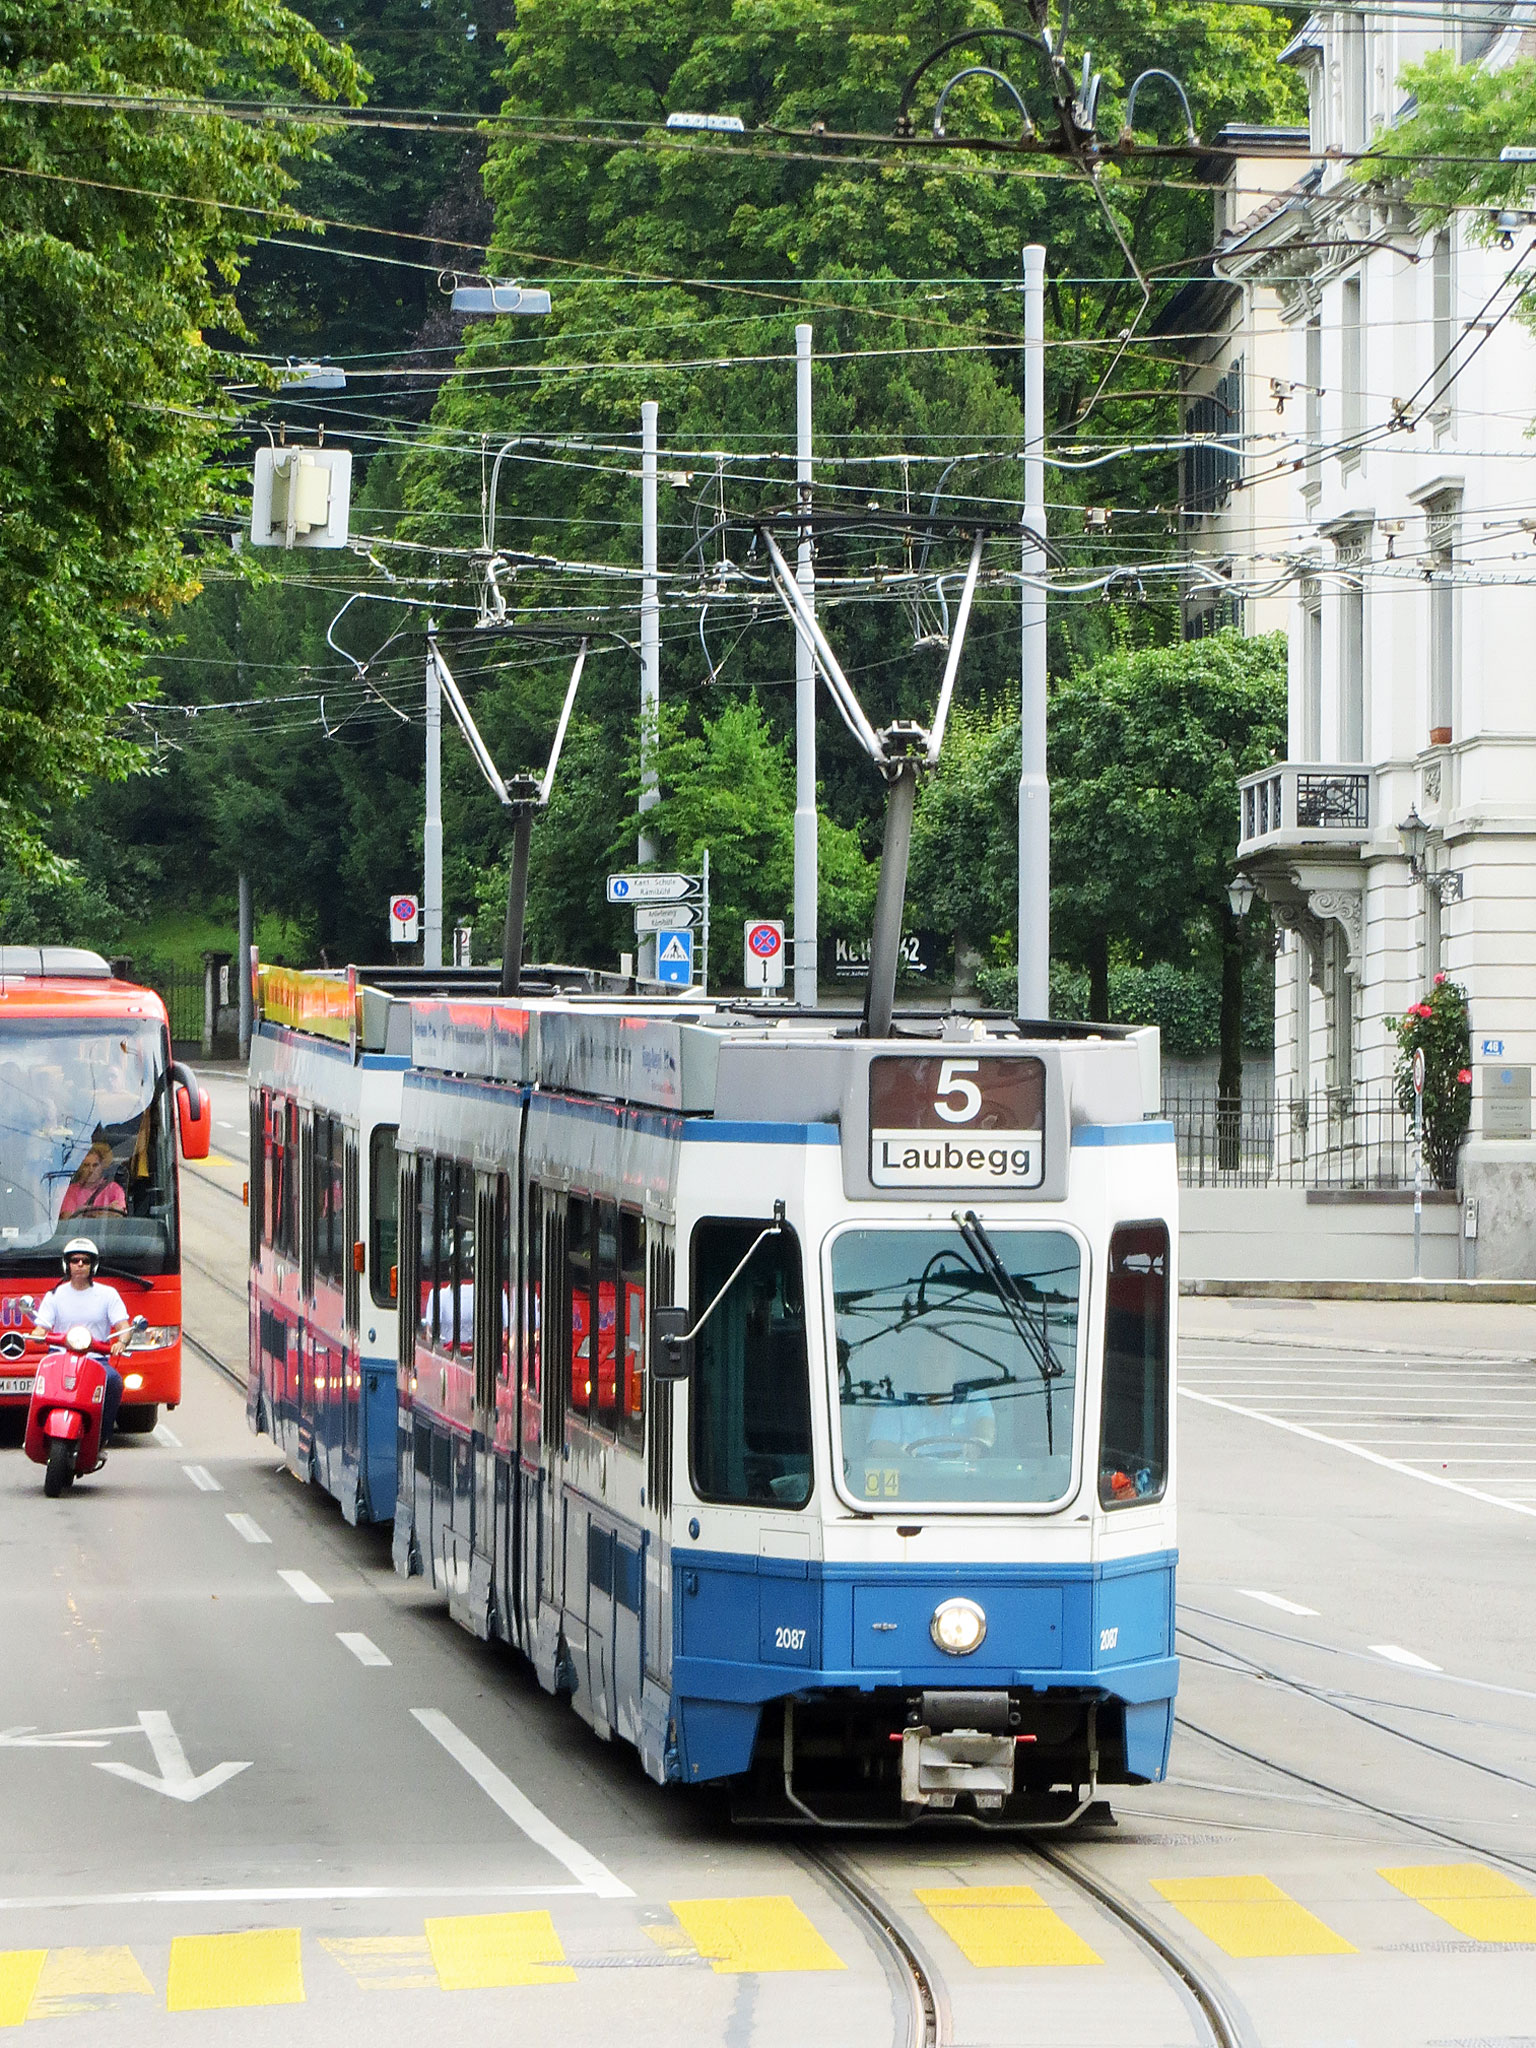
[[789, 1639]]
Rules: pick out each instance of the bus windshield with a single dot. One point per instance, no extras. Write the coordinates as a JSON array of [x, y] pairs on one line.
[[86, 1144], [956, 1363]]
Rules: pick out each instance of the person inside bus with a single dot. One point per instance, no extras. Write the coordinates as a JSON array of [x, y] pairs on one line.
[[94, 1188], [82, 1298]]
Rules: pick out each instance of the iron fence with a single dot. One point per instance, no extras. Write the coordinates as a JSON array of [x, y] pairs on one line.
[[1326, 1138], [181, 990]]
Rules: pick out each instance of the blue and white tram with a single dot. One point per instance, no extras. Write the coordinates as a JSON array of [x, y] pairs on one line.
[[800, 1403], [323, 1232]]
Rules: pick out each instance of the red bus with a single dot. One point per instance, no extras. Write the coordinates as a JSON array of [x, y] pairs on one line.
[[90, 1104]]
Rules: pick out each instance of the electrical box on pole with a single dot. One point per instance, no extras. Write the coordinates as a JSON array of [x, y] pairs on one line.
[[301, 497]]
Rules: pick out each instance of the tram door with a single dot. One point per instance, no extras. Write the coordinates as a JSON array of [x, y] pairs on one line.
[[556, 1333], [658, 1476]]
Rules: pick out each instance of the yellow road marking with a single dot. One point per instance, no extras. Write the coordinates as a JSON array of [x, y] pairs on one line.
[[1002, 1926], [1251, 1916], [672, 1941], [20, 1969], [76, 1980], [1476, 1901], [760, 1934], [386, 1962], [214, 1970], [488, 1951]]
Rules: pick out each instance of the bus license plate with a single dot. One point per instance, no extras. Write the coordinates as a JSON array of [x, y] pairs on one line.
[[17, 1386]]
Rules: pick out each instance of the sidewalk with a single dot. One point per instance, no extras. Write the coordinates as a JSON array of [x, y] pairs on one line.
[[1446, 1329]]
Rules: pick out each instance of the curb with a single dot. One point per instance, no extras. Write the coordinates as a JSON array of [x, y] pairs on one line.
[[1522, 1291]]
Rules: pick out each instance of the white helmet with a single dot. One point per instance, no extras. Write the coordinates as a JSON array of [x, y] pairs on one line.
[[81, 1247]]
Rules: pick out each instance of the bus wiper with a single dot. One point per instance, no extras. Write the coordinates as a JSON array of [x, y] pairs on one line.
[[981, 1248]]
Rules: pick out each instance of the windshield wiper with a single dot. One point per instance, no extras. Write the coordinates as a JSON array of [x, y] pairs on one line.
[[981, 1248]]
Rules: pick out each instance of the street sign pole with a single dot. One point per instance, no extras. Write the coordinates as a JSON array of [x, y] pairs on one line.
[[704, 947], [1418, 1162]]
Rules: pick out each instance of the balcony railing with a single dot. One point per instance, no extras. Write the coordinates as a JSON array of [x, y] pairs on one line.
[[1303, 803]]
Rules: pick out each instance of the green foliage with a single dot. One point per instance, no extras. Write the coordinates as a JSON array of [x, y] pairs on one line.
[[1439, 1028], [124, 235], [1446, 149]]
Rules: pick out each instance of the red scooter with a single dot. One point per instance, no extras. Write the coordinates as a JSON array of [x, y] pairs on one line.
[[64, 1416]]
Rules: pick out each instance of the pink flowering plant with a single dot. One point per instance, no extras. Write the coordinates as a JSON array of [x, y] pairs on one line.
[[1439, 1028]]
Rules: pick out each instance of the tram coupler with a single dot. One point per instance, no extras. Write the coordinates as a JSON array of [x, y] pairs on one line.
[[963, 1743]]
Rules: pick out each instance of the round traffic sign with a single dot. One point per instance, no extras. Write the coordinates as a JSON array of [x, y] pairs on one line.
[[1418, 1070], [403, 909], [765, 940]]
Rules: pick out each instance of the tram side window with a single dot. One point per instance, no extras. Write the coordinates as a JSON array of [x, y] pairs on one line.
[[328, 1163], [263, 1174], [285, 1171], [632, 1298], [1133, 1456], [533, 1381], [384, 1210], [426, 1241], [504, 1271], [605, 1317], [578, 1309], [749, 1394], [461, 1339]]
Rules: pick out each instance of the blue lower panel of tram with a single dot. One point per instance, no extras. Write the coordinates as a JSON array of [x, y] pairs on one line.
[[750, 1630]]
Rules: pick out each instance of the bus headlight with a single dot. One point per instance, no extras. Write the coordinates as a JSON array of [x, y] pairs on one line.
[[958, 1627], [155, 1338]]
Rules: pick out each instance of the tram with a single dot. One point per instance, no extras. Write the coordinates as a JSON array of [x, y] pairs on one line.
[[798, 1402], [91, 1108]]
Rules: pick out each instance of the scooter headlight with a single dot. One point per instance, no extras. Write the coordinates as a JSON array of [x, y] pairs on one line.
[[77, 1337]]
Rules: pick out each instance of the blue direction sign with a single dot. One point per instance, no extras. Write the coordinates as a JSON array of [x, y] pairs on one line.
[[674, 959]]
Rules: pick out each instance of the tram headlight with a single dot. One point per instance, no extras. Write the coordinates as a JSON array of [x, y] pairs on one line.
[[958, 1627]]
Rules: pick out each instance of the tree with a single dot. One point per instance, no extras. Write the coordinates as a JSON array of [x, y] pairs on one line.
[[125, 234], [1445, 152], [1145, 754]]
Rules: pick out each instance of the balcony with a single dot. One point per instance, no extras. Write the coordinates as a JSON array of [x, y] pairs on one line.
[[1303, 804]]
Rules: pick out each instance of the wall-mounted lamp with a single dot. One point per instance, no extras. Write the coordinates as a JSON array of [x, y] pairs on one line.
[[1414, 834], [1391, 528]]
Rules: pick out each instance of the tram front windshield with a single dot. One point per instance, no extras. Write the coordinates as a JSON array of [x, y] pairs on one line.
[[956, 1363], [86, 1145]]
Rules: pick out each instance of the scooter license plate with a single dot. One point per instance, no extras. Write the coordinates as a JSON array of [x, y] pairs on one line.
[[18, 1386]]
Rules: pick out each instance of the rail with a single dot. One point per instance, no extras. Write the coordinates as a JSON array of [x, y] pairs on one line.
[[1327, 1138]]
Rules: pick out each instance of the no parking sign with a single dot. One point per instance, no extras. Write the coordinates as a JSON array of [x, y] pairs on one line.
[[404, 920], [762, 953]]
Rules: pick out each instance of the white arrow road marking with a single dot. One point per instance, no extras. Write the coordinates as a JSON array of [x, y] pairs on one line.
[[596, 1877], [71, 1738], [175, 1780], [202, 1479]]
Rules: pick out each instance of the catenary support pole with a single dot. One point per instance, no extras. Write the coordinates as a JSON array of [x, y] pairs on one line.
[[517, 901], [243, 966], [890, 898], [1034, 937], [432, 827], [650, 656], [806, 894]]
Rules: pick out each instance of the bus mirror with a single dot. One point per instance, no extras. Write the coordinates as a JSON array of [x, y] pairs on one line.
[[359, 1257], [194, 1113], [671, 1345]]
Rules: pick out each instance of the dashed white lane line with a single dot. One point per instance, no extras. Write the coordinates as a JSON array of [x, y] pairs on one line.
[[1276, 1600], [166, 1437], [1396, 1654], [1335, 1443], [364, 1650], [202, 1479], [248, 1527], [302, 1584], [596, 1877]]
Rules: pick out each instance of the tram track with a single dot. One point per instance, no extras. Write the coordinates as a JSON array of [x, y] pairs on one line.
[[917, 1989]]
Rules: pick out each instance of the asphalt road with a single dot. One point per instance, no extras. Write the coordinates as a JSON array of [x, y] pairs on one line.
[[243, 1766]]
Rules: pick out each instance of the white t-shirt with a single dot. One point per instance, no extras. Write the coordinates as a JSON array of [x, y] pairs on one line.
[[100, 1308]]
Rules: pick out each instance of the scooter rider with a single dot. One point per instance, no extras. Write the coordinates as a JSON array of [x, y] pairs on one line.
[[82, 1298]]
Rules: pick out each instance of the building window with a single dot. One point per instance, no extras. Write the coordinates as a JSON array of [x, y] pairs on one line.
[[1443, 520], [1443, 327], [1314, 403], [1357, 82], [1352, 419], [1213, 469], [1311, 673], [1351, 552]]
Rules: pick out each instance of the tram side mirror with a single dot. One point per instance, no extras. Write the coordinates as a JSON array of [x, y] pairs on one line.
[[194, 1113], [671, 1345]]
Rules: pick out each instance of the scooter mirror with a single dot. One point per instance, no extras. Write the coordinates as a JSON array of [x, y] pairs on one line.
[[140, 1323], [27, 1303]]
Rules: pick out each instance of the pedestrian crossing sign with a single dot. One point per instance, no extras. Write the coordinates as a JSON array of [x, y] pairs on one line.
[[674, 959]]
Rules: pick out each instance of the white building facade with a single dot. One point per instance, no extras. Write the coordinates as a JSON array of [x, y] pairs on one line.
[[1406, 556]]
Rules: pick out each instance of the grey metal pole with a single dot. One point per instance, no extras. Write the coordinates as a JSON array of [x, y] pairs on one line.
[[650, 655], [704, 949], [432, 825], [517, 902], [890, 899], [1418, 1173], [807, 906], [1034, 787], [243, 966]]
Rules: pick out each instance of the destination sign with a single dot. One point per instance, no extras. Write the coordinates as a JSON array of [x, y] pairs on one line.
[[655, 888], [974, 1122]]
